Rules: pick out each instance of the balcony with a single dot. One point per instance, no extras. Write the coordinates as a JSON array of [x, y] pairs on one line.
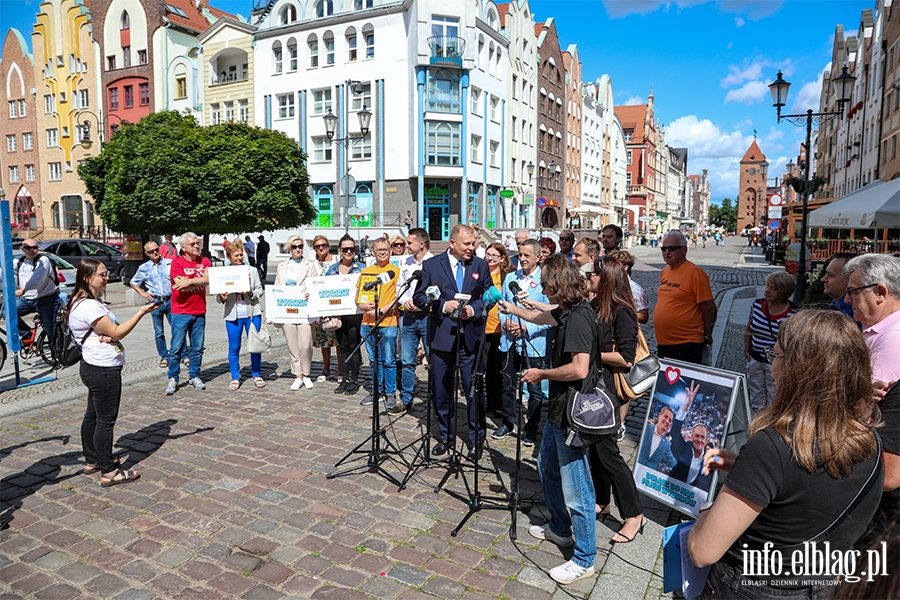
[[447, 50], [224, 78], [637, 190]]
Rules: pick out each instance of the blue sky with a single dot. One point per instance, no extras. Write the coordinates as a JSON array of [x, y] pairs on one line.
[[708, 62]]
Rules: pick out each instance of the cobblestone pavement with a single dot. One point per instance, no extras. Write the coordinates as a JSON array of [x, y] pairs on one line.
[[233, 500]]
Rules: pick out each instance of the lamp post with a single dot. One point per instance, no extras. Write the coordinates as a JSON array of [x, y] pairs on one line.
[[85, 127], [843, 89], [331, 122], [540, 185], [623, 222]]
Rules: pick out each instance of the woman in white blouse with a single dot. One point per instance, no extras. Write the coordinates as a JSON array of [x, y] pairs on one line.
[[242, 311], [298, 335]]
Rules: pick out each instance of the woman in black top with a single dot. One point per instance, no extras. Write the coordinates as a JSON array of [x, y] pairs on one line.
[[809, 473]]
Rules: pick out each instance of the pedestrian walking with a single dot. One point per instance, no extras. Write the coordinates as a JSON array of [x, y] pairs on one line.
[[249, 250], [262, 257], [242, 311]]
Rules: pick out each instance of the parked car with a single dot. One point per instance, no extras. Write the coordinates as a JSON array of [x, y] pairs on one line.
[[75, 250]]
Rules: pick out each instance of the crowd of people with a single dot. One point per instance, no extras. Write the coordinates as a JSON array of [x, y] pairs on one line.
[[561, 317]]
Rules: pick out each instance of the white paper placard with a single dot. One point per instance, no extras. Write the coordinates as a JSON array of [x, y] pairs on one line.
[[333, 296], [286, 304], [229, 280]]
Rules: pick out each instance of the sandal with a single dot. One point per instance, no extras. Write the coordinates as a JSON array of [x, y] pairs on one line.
[[119, 476], [186, 362], [625, 539], [235, 384], [322, 377], [164, 363], [93, 468], [259, 382]]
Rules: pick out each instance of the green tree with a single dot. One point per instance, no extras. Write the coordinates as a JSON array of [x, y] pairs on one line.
[[169, 174], [724, 215]]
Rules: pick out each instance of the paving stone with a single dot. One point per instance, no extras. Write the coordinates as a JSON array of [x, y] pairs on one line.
[[106, 585], [336, 593], [57, 591], [145, 548], [242, 563], [444, 588], [312, 564], [199, 570], [272, 573], [139, 570], [231, 584], [517, 589], [536, 578], [171, 558], [258, 546], [262, 592], [169, 584], [54, 560], [301, 585], [135, 594], [78, 572], [408, 575]]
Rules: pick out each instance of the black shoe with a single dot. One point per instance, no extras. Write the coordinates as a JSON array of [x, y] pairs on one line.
[[502, 431], [473, 452], [439, 449], [399, 408], [352, 388], [529, 438], [342, 387]]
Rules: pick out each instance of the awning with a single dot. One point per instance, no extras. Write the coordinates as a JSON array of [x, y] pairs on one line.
[[876, 205]]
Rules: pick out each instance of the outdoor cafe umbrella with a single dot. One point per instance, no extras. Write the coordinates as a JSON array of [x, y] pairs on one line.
[[875, 206]]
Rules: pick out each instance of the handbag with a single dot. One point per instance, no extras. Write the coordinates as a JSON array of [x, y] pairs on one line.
[[632, 383], [259, 340]]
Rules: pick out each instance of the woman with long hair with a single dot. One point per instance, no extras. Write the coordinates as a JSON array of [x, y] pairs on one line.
[[618, 341], [398, 245], [297, 335], [810, 472], [348, 336], [321, 338], [242, 311], [102, 359], [548, 247], [498, 260]]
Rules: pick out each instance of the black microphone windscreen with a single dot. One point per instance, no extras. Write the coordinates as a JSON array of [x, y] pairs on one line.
[[514, 287], [416, 276]]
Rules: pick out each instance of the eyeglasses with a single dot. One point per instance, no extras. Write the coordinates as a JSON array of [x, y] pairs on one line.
[[154, 251], [771, 355], [319, 246], [382, 250], [104, 274], [670, 248], [296, 247], [29, 247], [398, 245], [492, 256], [567, 239], [855, 290], [348, 250], [193, 244]]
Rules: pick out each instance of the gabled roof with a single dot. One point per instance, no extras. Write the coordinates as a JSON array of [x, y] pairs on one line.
[[753, 154], [22, 44], [681, 156], [632, 117], [503, 9], [198, 17]]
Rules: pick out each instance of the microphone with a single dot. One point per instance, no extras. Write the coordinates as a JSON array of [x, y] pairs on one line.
[[380, 280], [432, 292], [491, 297], [463, 302], [515, 289]]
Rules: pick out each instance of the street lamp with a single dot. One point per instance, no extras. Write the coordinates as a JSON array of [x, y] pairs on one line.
[[623, 221], [843, 89], [530, 168], [331, 122], [85, 127]]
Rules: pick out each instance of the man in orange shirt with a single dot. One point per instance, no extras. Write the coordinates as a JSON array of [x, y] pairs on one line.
[[387, 330], [685, 310]]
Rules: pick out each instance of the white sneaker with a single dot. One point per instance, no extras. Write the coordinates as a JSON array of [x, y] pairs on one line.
[[308, 383], [569, 572], [172, 386], [543, 532], [296, 385], [197, 383]]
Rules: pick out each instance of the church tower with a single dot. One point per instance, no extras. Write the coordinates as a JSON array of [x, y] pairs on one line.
[[752, 201]]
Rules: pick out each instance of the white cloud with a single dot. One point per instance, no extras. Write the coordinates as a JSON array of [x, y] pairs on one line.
[[634, 100], [739, 22], [751, 92], [704, 139], [739, 75], [809, 96]]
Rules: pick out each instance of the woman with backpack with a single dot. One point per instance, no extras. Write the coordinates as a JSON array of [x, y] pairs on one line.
[[102, 357]]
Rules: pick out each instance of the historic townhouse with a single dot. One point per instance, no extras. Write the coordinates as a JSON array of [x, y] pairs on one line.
[[226, 72], [639, 127], [574, 118], [551, 126], [889, 163], [752, 205], [19, 155]]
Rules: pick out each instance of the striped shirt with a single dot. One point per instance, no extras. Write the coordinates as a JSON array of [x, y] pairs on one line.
[[764, 328]]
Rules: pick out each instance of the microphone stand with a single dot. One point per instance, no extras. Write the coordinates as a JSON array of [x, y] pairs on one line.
[[453, 462], [514, 501], [377, 453]]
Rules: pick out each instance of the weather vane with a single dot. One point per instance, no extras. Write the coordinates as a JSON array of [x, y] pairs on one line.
[[754, 135]]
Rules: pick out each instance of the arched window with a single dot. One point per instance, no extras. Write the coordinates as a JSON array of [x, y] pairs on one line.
[[23, 213], [350, 34], [369, 36], [292, 54], [288, 14], [126, 20], [328, 41], [492, 20], [312, 42], [277, 56], [324, 8], [361, 4]]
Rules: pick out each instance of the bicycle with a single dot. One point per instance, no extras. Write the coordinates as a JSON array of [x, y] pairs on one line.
[[36, 343]]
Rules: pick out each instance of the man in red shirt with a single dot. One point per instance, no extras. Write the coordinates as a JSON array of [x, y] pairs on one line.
[[189, 281]]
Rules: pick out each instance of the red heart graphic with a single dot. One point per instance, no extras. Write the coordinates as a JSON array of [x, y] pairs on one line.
[[475, 276], [672, 375]]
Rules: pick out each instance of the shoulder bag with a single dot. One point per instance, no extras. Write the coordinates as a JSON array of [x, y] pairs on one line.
[[259, 340], [632, 383]]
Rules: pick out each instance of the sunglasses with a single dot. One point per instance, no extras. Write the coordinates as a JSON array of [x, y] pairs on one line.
[[29, 247], [296, 247], [567, 239], [399, 245], [348, 250], [320, 246], [154, 251], [670, 248]]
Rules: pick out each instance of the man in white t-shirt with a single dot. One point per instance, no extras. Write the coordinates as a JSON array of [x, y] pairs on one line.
[[37, 289]]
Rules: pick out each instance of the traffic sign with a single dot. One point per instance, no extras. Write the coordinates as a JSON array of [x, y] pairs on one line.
[[774, 225], [775, 199], [775, 212], [541, 201]]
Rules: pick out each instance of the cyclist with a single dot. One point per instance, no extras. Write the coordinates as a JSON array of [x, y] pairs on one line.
[[37, 289]]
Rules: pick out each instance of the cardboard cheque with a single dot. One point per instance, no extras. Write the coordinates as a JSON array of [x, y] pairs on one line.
[[286, 304], [229, 280], [332, 296]]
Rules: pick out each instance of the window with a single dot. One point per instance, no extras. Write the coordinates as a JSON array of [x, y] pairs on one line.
[[285, 106], [113, 98], [145, 94], [126, 56], [514, 133], [52, 138], [475, 149], [126, 21], [49, 104], [55, 171], [324, 8], [442, 144], [328, 40], [215, 112], [443, 92], [322, 149], [495, 154], [29, 172], [277, 58], [369, 36], [14, 174], [11, 143], [322, 101], [629, 135], [362, 149], [476, 101], [110, 63], [83, 99], [243, 111], [27, 141], [628, 155], [142, 57], [229, 111], [515, 87], [288, 15], [362, 99], [351, 45], [129, 96], [292, 56], [12, 109], [181, 87], [495, 113], [361, 4], [313, 43], [21, 104]]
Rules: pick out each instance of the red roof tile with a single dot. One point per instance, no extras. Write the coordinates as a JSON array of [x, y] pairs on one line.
[[632, 117], [754, 154], [504, 9], [195, 20]]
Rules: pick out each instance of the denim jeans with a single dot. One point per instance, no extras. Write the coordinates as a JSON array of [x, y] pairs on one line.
[[184, 326], [387, 357], [164, 312], [566, 478], [512, 364], [104, 386], [411, 331], [236, 330], [45, 307]]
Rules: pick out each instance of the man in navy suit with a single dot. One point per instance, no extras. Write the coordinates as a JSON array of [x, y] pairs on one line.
[[656, 444], [458, 272]]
